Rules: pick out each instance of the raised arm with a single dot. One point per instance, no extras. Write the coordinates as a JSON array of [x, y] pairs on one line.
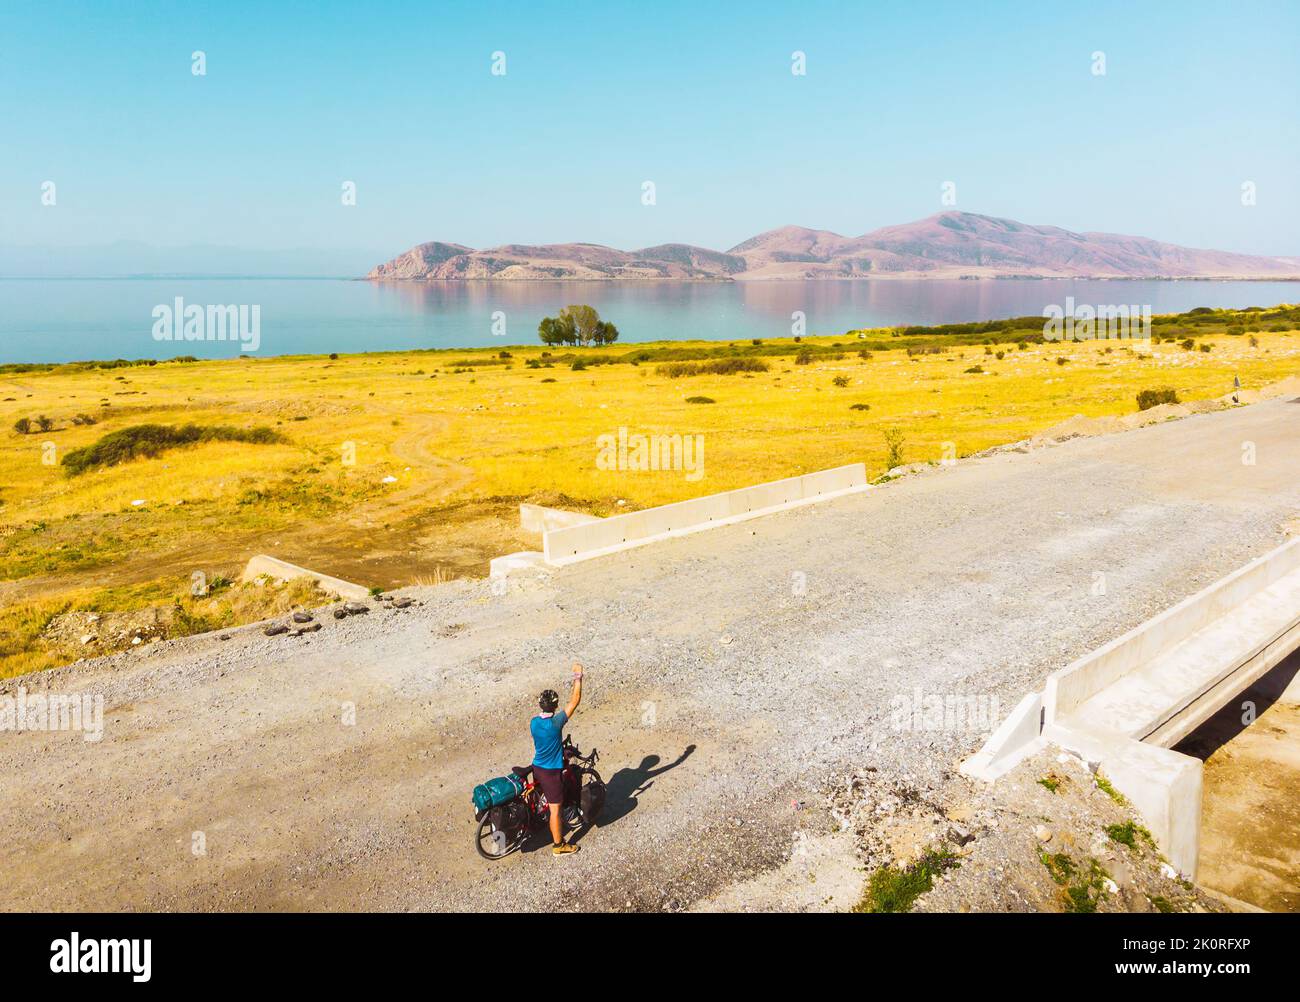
[[577, 692]]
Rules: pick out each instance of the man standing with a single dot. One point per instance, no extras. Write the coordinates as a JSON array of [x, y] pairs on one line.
[[548, 755]]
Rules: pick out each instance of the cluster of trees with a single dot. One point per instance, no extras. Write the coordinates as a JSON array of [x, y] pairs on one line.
[[577, 325]]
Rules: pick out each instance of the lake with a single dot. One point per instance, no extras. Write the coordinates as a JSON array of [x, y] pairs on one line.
[[60, 320]]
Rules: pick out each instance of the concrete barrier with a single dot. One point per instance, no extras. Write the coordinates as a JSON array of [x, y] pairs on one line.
[[1163, 786], [1070, 688], [620, 532], [536, 518], [282, 570], [1125, 704]]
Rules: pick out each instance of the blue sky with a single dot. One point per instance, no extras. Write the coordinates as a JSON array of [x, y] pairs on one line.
[[699, 98]]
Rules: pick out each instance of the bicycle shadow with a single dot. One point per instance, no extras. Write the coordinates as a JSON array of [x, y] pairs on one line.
[[625, 787]]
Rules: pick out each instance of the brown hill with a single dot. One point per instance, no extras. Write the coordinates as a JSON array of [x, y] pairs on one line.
[[947, 245]]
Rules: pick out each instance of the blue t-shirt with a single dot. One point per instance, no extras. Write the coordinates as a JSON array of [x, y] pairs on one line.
[[548, 740]]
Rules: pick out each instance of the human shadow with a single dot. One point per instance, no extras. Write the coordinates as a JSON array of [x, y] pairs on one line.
[[626, 786]]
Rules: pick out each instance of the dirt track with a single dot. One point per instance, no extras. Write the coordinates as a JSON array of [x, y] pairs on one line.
[[979, 579]]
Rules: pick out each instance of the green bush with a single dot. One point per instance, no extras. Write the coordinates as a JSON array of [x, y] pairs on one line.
[[700, 400], [149, 440], [716, 367], [1150, 398]]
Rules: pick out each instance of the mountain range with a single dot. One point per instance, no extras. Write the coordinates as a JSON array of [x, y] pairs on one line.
[[946, 245]]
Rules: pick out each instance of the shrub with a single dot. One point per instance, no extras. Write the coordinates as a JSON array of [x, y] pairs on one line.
[[549, 379], [44, 423], [715, 367], [803, 358], [700, 400], [23, 426], [1061, 360], [859, 407], [1188, 344], [578, 365], [840, 381], [977, 369], [149, 440], [1150, 398], [894, 442], [1205, 348]]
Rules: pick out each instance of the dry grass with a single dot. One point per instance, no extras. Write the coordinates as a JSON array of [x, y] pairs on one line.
[[478, 440]]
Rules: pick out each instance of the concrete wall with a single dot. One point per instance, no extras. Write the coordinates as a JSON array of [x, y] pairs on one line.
[[1234, 644], [1163, 786], [536, 518], [1080, 681], [282, 570], [1015, 739], [619, 532]]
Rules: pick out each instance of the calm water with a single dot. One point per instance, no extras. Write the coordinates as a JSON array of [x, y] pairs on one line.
[[67, 320]]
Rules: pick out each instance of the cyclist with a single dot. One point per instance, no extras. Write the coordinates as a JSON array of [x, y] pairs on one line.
[[548, 756]]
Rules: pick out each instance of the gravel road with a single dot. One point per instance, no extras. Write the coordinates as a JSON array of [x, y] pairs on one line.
[[733, 675]]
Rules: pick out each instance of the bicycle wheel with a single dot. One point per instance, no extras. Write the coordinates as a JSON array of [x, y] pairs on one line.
[[493, 843]]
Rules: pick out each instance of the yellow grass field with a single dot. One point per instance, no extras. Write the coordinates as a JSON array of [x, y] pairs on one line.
[[408, 467]]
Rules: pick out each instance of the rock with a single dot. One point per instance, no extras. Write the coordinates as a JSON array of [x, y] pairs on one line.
[[959, 835], [725, 640], [402, 603], [355, 608], [1043, 834], [308, 628], [302, 617], [136, 641], [340, 614], [275, 629], [89, 638]]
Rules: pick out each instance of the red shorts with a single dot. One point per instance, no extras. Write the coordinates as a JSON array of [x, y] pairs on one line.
[[551, 783]]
